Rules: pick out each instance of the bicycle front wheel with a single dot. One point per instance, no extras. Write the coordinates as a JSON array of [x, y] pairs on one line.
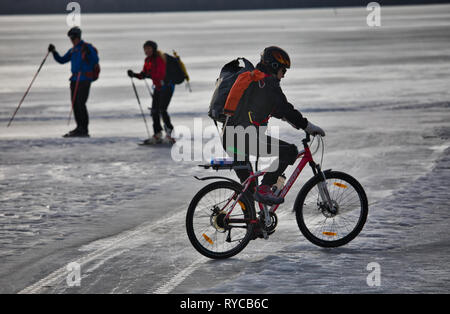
[[208, 229], [339, 225]]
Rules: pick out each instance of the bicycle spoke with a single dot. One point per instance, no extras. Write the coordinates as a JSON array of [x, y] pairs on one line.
[[324, 224], [208, 228]]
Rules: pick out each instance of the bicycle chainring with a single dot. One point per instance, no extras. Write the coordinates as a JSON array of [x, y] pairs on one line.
[[273, 222]]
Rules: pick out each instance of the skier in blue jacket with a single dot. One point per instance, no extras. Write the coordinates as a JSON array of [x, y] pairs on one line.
[[84, 66]]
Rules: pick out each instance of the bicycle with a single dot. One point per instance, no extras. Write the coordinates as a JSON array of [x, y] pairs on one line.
[[331, 208]]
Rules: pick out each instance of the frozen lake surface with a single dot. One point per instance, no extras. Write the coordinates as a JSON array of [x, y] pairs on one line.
[[117, 209]]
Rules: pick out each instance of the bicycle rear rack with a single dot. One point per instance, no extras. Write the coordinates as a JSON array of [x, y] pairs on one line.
[[232, 166]]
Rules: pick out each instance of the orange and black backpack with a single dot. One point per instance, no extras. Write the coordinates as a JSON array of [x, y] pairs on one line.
[[233, 80]]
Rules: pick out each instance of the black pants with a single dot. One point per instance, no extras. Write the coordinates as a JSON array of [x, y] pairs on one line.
[[287, 154], [161, 100], [79, 106]]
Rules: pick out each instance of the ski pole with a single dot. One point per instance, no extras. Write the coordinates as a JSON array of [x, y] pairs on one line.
[[188, 86], [149, 91], [148, 87], [28, 89], [140, 107], [74, 97]]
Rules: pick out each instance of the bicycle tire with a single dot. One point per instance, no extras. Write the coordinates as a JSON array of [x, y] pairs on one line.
[[300, 203], [249, 212]]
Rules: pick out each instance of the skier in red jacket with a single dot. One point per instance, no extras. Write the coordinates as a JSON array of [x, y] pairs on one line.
[[155, 68]]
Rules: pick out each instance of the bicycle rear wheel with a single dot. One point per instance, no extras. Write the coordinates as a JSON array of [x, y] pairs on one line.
[[337, 227], [209, 232]]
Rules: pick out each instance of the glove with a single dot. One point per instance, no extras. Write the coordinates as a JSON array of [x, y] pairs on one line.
[[131, 73], [51, 48], [314, 130]]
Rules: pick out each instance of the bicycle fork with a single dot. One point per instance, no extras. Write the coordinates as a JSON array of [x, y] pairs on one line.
[[323, 191]]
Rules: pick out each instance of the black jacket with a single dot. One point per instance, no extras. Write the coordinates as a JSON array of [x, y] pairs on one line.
[[265, 99]]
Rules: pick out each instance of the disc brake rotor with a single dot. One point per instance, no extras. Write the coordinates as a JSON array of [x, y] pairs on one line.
[[325, 210]]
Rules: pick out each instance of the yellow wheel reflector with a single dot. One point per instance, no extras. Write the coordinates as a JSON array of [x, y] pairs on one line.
[[331, 234], [208, 239], [340, 185], [242, 205]]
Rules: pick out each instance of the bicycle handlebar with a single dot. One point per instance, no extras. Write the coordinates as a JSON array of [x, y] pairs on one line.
[[307, 139]]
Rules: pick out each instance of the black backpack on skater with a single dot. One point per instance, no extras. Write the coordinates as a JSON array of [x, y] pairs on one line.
[[174, 71]]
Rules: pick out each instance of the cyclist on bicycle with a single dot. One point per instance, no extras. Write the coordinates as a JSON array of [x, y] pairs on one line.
[[262, 100]]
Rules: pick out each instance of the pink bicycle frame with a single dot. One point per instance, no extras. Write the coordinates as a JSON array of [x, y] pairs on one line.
[[306, 157]]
